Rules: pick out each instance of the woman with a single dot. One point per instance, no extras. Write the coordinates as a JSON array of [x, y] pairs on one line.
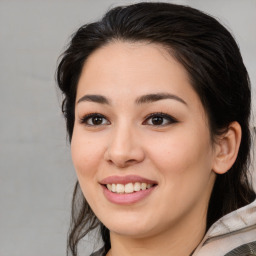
[[157, 106]]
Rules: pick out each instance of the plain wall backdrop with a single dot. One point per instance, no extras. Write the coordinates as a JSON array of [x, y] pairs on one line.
[[36, 173]]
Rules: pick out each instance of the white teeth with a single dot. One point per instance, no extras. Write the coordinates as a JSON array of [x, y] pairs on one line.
[[113, 188], [143, 186], [119, 188], [128, 188], [136, 186]]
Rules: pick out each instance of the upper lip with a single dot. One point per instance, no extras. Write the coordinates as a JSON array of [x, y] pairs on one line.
[[126, 179]]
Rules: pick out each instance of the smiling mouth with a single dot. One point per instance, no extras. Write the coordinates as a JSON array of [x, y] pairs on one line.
[[129, 187]]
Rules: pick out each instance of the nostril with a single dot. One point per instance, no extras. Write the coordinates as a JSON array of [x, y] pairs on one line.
[[131, 161]]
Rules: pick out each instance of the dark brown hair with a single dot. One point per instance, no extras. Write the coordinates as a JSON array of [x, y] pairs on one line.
[[213, 61]]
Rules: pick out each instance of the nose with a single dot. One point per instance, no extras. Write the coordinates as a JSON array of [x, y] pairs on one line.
[[124, 148]]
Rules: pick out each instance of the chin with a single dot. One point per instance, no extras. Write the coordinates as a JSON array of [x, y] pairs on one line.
[[127, 226], [132, 231]]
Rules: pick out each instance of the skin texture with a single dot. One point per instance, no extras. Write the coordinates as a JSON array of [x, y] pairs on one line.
[[178, 155]]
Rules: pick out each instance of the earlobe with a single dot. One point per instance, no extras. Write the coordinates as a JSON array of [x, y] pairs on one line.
[[226, 148]]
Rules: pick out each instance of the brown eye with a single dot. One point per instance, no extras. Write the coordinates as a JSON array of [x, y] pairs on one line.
[[94, 120], [159, 119], [97, 120]]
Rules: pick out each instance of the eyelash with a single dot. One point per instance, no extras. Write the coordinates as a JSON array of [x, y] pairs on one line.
[[170, 119], [85, 119]]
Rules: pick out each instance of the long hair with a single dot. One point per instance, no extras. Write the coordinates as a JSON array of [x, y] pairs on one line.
[[217, 73]]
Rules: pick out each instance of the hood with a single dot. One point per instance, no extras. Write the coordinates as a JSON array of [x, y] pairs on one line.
[[231, 231]]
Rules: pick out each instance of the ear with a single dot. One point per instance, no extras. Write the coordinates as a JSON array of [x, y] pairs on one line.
[[226, 148]]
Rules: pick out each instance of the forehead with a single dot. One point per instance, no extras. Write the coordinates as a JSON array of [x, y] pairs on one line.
[[134, 69]]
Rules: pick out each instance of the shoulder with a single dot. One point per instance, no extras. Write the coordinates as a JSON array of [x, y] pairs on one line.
[[233, 234]]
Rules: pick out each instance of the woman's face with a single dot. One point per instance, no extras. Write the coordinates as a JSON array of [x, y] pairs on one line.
[[141, 131]]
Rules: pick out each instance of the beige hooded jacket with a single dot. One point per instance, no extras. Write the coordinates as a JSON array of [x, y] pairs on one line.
[[232, 235]]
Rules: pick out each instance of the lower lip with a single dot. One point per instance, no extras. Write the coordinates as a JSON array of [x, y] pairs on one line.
[[129, 198]]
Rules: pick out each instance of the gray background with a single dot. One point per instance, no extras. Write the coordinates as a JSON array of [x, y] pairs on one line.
[[36, 173]]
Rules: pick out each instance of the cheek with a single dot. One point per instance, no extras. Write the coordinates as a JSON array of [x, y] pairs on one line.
[[86, 154], [184, 165], [183, 154]]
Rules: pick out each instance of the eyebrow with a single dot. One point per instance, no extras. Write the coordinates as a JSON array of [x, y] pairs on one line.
[[94, 98], [158, 96], [148, 98]]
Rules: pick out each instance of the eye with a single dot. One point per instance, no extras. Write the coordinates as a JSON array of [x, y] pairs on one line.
[[94, 119], [159, 119]]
